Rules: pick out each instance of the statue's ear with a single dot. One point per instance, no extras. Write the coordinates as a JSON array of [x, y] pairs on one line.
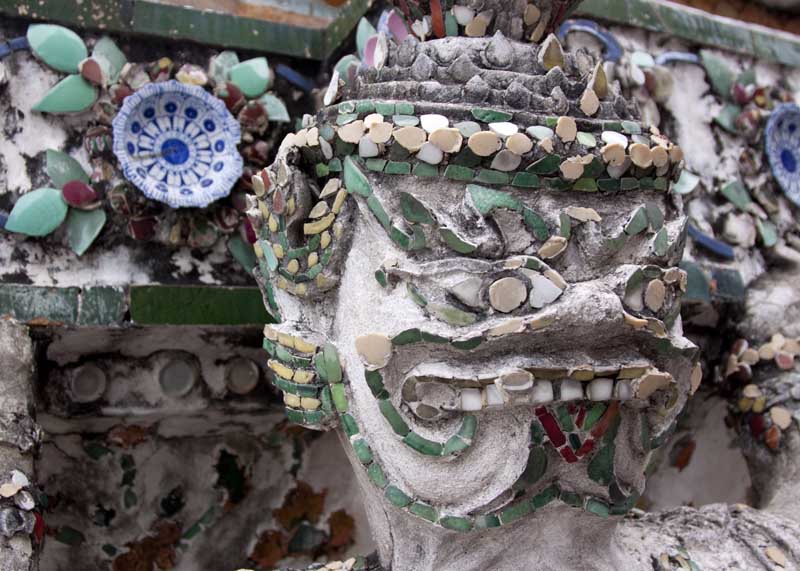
[[308, 374], [302, 223], [303, 226]]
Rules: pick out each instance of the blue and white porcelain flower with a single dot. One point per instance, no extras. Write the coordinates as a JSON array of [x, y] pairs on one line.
[[178, 144], [783, 148]]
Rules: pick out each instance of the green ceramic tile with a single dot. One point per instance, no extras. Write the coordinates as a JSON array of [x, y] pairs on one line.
[[455, 243], [377, 209], [425, 170], [536, 223], [376, 474], [397, 497], [488, 176], [456, 523], [363, 451], [376, 165], [515, 511], [424, 511], [197, 305], [112, 58], [365, 106], [402, 168], [354, 179], [72, 94], [58, 47], [37, 213], [276, 110], [525, 180], [638, 222], [737, 194], [585, 185], [393, 417], [487, 199], [62, 168], [487, 522], [253, 77], [83, 227], [404, 108], [423, 445], [546, 165], [456, 172], [597, 507], [414, 210], [608, 184], [491, 115], [220, 66]]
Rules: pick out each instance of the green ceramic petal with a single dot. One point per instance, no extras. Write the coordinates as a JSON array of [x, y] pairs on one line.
[[276, 109], [243, 253], [106, 50], [720, 75], [220, 67], [83, 227], [60, 48], [71, 95], [62, 168], [253, 76], [686, 184], [37, 213], [364, 32]]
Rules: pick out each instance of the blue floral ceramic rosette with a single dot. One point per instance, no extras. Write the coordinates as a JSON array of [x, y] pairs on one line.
[[783, 148], [178, 144]]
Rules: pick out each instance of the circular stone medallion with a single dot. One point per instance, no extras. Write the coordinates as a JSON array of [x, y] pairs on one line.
[[783, 148], [178, 144]]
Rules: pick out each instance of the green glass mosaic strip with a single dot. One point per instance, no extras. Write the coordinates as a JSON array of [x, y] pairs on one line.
[[424, 511], [396, 421], [423, 445]]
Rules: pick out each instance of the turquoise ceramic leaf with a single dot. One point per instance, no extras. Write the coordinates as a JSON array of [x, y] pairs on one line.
[[62, 168], [364, 32], [276, 109], [106, 51], [72, 94], [83, 227], [58, 47], [243, 253], [253, 76], [37, 213]]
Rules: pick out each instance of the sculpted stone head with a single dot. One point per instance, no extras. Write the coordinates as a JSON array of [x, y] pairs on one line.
[[472, 256]]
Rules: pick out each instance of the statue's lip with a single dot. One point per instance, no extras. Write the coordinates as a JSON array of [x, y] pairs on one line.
[[532, 384]]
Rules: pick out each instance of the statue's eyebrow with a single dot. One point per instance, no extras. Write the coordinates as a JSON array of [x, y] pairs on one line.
[[410, 268]]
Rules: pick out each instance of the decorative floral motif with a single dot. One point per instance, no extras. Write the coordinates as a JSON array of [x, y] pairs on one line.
[[177, 144], [783, 149]]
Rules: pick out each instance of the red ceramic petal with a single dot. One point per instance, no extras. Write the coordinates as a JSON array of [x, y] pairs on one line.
[[437, 18], [77, 193], [92, 72], [249, 232]]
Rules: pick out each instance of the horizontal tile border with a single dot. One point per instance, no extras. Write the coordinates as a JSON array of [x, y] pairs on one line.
[[698, 26], [185, 23], [110, 306]]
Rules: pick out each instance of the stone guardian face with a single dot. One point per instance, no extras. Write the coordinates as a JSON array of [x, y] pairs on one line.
[[473, 256]]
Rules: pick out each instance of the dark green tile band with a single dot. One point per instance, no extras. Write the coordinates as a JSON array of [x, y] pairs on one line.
[[697, 26], [185, 23], [189, 305]]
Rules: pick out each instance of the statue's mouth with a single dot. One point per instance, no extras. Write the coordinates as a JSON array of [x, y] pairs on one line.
[[433, 390]]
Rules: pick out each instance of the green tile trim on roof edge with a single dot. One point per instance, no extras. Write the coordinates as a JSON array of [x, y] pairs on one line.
[[146, 17], [698, 26]]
